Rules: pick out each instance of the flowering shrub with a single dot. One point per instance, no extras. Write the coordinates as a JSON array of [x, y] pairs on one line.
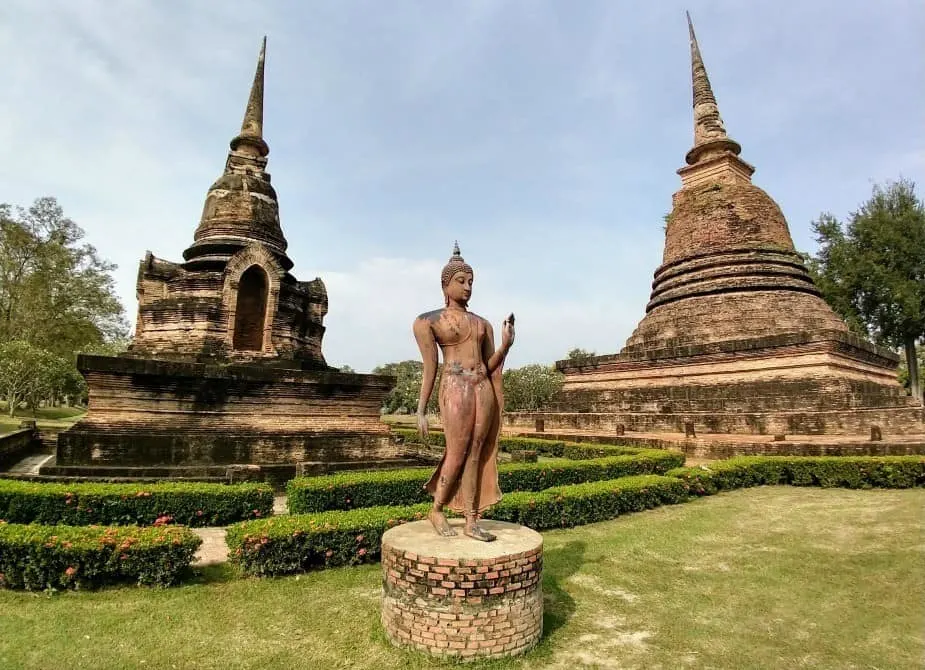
[[853, 472], [38, 557], [187, 503], [297, 543], [351, 490]]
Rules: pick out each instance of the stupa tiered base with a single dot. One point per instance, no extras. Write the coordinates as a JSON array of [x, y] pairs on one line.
[[172, 419], [458, 597]]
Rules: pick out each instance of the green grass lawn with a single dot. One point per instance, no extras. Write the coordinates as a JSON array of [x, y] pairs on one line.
[[777, 577], [45, 417]]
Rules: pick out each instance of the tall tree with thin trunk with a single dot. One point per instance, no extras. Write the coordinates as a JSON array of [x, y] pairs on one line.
[[872, 269]]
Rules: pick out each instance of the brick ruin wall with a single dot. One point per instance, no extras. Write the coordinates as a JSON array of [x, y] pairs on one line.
[[187, 314], [159, 412], [488, 607]]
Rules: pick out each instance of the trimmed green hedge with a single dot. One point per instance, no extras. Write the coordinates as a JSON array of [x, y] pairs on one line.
[[286, 545], [289, 544], [352, 490], [38, 557], [854, 472], [580, 504], [187, 503], [550, 448]]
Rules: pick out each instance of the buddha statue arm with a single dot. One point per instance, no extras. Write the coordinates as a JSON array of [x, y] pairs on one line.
[[427, 343], [494, 359]]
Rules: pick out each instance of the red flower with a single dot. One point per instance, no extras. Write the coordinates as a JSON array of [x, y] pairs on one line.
[[361, 552], [198, 512], [70, 572]]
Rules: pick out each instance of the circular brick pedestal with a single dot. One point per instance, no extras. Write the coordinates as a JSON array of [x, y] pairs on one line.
[[460, 597]]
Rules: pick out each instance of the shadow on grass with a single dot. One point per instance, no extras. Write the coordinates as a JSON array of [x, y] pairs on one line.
[[218, 573], [558, 565]]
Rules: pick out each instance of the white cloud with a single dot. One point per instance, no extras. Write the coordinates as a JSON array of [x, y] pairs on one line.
[[374, 305]]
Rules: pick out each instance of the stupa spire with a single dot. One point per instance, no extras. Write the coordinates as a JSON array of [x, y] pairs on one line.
[[709, 132], [252, 127]]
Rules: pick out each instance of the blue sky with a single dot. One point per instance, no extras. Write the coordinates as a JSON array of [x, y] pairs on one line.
[[544, 135]]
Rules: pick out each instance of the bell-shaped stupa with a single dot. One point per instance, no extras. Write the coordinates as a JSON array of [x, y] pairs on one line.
[[736, 339]]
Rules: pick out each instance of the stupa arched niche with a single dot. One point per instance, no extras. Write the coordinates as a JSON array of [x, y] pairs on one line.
[[250, 297]]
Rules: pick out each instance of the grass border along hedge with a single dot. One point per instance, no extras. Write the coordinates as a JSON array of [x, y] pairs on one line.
[[543, 447], [352, 490], [36, 557], [187, 503], [853, 472], [296, 543]]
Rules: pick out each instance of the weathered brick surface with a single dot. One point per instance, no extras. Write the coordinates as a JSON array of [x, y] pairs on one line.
[[226, 364], [719, 446], [463, 607], [736, 337], [157, 412], [196, 309]]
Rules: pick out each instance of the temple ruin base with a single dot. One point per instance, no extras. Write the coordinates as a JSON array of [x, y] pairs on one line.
[[166, 419]]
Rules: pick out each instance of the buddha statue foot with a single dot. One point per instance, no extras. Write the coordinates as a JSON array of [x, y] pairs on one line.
[[440, 524], [476, 532]]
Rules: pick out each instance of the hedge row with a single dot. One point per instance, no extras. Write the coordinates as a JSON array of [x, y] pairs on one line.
[[352, 490], [854, 472], [285, 545], [38, 557], [296, 543], [551, 448], [187, 503]]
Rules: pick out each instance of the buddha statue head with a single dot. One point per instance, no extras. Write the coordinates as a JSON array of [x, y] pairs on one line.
[[456, 279]]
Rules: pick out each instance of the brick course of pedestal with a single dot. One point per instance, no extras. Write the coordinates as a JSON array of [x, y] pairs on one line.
[[458, 597]]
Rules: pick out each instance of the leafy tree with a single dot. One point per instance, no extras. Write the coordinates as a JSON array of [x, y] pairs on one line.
[[872, 269], [347, 369], [403, 399], [903, 371], [30, 374], [531, 387], [580, 356], [55, 291]]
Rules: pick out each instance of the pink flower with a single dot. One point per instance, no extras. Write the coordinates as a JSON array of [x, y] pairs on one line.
[[359, 538], [198, 512], [361, 552], [328, 553], [71, 571]]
